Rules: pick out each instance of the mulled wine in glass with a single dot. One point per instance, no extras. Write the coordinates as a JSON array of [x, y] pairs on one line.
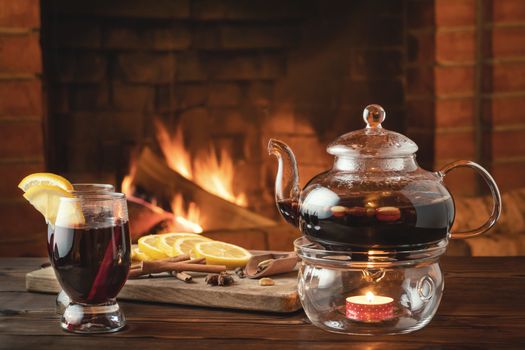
[[89, 249], [79, 189]]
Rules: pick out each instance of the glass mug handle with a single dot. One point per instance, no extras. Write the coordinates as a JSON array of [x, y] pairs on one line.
[[496, 196]]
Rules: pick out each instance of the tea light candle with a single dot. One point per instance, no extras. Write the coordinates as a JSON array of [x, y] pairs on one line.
[[369, 308]]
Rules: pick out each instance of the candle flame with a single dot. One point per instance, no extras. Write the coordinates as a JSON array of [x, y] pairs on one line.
[[369, 297]]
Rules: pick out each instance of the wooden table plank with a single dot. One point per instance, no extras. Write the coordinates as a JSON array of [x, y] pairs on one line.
[[247, 294], [482, 307]]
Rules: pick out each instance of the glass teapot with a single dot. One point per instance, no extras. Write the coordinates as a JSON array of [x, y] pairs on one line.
[[375, 196]]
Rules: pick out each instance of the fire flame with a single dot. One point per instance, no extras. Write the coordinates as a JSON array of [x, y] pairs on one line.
[[127, 185], [215, 175], [173, 148], [189, 218], [182, 220]]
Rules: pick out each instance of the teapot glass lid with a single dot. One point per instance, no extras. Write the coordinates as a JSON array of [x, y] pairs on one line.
[[372, 141]]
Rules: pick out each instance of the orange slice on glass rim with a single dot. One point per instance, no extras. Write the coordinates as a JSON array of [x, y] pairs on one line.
[[46, 199], [38, 179]]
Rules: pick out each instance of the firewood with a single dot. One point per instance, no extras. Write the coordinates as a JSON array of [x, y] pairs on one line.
[[158, 179]]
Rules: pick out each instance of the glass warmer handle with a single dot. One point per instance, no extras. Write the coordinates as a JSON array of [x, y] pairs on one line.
[[496, 196]]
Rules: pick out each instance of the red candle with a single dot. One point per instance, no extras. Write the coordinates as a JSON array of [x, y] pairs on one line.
[[369, 308]]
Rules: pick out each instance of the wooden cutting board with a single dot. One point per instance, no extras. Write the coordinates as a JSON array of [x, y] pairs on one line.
[[245, 294]]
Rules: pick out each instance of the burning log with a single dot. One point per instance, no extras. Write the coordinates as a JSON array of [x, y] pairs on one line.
[[150, 219], [145, 218], [154, 176]]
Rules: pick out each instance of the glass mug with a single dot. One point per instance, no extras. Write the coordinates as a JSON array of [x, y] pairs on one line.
[[79, 189], [82, 188], [89, 249]]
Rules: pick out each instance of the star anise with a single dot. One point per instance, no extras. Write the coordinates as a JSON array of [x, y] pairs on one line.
[[221, 279]]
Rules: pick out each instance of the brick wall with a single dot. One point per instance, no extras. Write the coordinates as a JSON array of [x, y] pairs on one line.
[[504, 90], [440, 84], [465, 86], [236, 73], [231, 72], [21, 128]]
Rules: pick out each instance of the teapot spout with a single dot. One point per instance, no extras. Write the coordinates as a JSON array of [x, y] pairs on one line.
[[287, 189]]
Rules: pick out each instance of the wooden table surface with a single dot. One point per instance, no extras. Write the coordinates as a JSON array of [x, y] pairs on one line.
[[483, 307]]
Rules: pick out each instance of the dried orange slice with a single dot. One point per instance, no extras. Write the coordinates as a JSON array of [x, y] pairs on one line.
[[221, 253], [38, 179]]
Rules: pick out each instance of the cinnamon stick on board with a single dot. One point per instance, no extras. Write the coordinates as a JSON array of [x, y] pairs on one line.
[[178, 258], [183, 276], [158, 266]]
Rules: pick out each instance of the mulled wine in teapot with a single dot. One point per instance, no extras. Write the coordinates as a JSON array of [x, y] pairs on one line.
[[375, 196]]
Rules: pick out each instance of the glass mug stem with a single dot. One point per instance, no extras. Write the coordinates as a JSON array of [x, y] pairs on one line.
[[496, 197]]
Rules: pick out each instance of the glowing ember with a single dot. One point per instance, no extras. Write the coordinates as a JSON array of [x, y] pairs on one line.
[[213, 174]]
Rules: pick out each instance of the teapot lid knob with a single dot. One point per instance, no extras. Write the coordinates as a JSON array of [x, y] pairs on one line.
[[372, 141], [374, 115]]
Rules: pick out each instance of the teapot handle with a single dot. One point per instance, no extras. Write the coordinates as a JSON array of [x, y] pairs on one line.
[[496, 196]]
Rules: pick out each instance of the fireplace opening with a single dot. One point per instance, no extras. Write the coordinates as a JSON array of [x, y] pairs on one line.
[[199, 89]]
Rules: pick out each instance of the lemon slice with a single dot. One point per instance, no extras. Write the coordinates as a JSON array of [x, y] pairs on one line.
[[70, 213], [186, 245], [221, 253], [38, 179], [149, 245], [138, 255], [167, 240], [134, 247], [46, 199]]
